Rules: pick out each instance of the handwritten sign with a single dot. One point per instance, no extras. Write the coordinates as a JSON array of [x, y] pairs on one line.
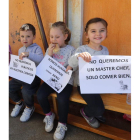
[[53, 73], [23, 70], [105, 74]]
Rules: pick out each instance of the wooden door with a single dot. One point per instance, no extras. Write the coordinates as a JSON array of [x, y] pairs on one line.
[[118, 15]]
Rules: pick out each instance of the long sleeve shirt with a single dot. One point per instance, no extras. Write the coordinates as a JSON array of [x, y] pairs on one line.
[[63, 56], [35, 53], [73, 61]]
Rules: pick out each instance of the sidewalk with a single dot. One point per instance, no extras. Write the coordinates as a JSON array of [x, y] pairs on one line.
[[34, 130]]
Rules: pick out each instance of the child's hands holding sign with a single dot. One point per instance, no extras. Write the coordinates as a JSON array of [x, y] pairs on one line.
[[23, 54], [69, 68], [86, 56]]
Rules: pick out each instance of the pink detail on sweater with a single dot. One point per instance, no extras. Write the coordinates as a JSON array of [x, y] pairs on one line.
[[62, 63], [58, 56]]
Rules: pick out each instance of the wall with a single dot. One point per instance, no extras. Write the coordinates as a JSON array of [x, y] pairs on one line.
[[75, 21], [116, 12], [118, 15], [21, 11]]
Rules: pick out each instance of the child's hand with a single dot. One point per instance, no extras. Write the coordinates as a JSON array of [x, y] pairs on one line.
[[86, 56], [23, 54], [69, 68], [50, 49]]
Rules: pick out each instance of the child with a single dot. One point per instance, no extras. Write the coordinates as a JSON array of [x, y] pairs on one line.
[[60, 51], [96, 32], [33, 52]]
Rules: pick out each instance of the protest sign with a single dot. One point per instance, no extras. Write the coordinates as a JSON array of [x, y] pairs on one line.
[[23, 70], [53, 73], [105, 74]]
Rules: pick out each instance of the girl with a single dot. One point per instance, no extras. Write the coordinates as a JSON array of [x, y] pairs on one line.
[[96, 32], [60, 51]]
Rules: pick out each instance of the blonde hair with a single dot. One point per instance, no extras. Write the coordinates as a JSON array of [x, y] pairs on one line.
[[63, 28]]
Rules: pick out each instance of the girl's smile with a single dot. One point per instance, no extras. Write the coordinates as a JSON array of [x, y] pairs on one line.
[[97, 38], [96, 33]]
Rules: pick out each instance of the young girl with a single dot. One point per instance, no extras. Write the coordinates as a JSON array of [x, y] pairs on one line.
[[96, 32], [60, 51], [33, 52]]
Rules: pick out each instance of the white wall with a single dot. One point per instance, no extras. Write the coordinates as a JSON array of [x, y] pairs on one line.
[[75, 21], [59, 10]]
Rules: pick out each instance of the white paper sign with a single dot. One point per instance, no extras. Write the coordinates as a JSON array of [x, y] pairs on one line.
[[23, 70], [105, 74], [53, 73]]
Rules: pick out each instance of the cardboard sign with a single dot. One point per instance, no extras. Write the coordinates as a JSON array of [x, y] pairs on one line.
[[105, 74], [53, 73], [23, 70]]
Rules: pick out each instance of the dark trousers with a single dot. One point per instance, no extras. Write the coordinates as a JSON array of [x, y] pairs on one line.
[[28, 90], [95, 106], [62, 100]]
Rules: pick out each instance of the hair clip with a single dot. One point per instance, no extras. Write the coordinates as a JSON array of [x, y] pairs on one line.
[[25, 26]]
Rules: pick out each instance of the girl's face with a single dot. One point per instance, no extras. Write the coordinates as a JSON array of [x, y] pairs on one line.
[[57, 36], [26, 38], [96, 33]]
